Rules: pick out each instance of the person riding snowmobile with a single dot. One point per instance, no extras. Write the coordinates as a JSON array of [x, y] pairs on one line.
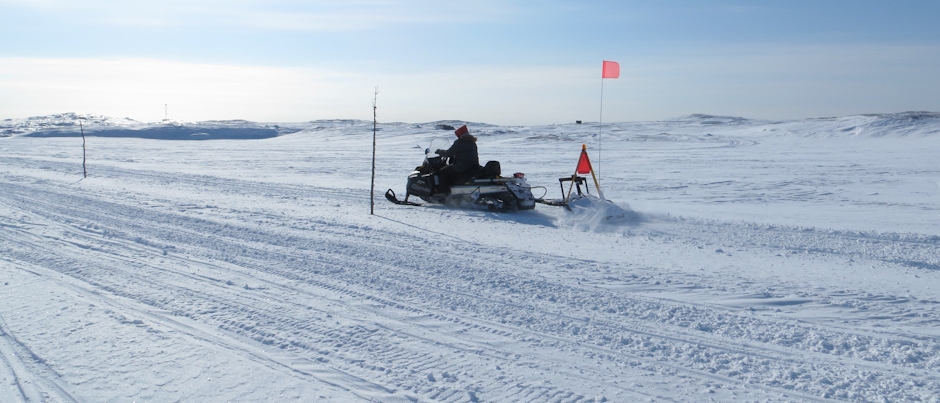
[[464, 158]]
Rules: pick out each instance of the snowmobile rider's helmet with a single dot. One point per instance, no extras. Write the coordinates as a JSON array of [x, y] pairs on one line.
[[461, 131]]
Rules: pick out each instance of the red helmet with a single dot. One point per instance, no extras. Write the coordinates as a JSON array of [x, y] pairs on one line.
[[461, 131]]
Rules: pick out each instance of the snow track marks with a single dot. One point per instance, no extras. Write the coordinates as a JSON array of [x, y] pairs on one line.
[[381, 311]]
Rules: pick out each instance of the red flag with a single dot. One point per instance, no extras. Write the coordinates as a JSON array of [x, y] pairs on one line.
[[610, 70], [584, 164]]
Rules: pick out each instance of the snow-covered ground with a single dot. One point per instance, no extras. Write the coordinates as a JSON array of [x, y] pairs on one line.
[[760, 261]]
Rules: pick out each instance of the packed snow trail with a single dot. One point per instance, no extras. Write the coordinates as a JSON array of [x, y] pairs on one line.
[[147, 282]]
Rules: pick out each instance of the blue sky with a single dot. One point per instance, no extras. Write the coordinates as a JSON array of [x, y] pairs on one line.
[[506, 62]]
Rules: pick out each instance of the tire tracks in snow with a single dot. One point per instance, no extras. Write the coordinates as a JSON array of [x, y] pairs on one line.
[[129, 281], [305, 254], [95, 272], [34, 380]]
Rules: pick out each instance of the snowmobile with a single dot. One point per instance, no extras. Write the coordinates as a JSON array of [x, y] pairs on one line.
[[484, 188]]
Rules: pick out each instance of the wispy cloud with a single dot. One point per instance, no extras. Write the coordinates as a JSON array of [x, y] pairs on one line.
[[782, 82], [138, 88], [323, 15], [758, 82]]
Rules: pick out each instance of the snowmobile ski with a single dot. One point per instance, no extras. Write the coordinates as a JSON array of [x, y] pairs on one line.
[[390, 195]]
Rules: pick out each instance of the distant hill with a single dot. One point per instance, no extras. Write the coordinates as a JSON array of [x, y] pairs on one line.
[[68, 125]]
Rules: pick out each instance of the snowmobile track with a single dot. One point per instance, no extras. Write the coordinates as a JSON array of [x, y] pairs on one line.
[[344, 273]]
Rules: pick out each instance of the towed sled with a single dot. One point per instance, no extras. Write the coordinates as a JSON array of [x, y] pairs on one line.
[[483, 188]]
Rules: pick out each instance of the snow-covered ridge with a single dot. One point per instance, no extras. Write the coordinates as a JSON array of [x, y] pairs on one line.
[[905, 124], [913, 124], [72, 124]]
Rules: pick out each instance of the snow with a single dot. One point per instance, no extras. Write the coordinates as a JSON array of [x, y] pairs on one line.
[[739, 260]]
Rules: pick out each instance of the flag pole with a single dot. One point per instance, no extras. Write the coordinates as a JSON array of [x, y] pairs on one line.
[[608, 70], [600, 126]]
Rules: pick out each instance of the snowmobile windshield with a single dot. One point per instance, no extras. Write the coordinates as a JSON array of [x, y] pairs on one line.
[[439, 143]]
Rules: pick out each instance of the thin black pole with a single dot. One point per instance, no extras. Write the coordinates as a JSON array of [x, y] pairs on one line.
[[82, 127], [374, 128]]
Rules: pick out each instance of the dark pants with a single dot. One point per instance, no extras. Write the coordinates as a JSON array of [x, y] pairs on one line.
[[448, 176]]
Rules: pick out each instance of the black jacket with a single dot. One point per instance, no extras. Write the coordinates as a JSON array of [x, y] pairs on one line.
[[464, 153]]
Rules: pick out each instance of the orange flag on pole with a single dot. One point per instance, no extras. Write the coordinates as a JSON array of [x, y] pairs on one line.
[[610, 70]]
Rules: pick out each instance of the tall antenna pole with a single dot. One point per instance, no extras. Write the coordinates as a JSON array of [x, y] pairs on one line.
[[165, 112], [374, 128], [82, 127]]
